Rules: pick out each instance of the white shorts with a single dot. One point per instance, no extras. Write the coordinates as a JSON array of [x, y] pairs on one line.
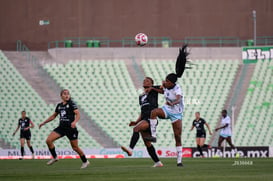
[[172, 116]]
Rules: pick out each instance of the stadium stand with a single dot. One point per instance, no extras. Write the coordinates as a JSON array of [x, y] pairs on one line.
[[254, 124], [106, 92], [17, 95], [205, 88]]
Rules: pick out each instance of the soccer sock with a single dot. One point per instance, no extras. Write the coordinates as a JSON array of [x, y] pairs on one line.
[[22, 151], [31, 149], [134, 140], [205, 146], [179, 154], [200, 150], [153, 124], [83, 158], [152, 153], [53, 152]]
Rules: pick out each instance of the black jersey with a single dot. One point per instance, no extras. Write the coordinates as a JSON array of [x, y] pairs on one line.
[[66, 112], [199, 125], [24, 123], [149, 101]]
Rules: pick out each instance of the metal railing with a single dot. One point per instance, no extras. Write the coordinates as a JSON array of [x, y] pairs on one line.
[[160, 42]]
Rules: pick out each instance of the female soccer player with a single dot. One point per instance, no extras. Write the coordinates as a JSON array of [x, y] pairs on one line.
[[225, 128], [147, 101], [25, 123], [69, 116], [174, 105], [172, 110], [199, 123]]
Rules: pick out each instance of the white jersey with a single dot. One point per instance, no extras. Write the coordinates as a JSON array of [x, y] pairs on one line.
[[227, 130], [170, 96]]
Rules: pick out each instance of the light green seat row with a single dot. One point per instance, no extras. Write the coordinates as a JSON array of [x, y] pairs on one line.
[[17, 95]]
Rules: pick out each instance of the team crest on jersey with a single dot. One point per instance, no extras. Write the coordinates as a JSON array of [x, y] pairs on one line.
[[67, 106]]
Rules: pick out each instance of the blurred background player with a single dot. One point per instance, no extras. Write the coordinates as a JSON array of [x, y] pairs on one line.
[[147, 101], [25, 124], [69, 116], [225, 128], [172, 110], [199, 123]]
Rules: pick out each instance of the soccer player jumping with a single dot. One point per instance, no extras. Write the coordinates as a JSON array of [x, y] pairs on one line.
[[174, 106]]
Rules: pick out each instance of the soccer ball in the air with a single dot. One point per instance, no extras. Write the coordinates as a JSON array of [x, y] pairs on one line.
[[141, 39]]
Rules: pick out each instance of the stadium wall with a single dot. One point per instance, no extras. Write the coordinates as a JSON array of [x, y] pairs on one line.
[[117, 19]]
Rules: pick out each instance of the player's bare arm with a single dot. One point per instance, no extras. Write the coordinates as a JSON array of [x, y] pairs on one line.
[[208, 128], [31, 126], [77, 118], [16, 130], [52, 117], [177, 100], [226, 125], [133, 123]]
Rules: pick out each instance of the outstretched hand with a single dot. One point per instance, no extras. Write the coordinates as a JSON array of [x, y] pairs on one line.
[[40, 125]]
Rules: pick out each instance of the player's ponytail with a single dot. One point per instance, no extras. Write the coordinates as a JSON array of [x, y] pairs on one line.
[[180, 64], [181, 61]]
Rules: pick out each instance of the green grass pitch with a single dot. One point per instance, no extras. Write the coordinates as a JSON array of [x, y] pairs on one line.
[[139, 169]]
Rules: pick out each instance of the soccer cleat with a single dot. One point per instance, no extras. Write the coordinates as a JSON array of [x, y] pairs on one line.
[[130, 153], [85, 164], [33, 156], [158, 164], [50, 162], [180, 165], [151, 139], [21, 158]]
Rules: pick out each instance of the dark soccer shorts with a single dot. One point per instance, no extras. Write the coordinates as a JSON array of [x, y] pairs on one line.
[[70, 133], [25, 134], [200, 135]]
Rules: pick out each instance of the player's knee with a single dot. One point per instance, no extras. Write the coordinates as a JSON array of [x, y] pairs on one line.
[[75, 148], [136, 129], [48, 141], [148, 144]]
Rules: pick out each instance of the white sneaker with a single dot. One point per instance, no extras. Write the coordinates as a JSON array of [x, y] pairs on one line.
[[33, 156], [50, 162], [129, 152], [158, 164], [84, 165]]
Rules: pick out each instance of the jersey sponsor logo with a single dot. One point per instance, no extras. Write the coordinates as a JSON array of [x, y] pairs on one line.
[[143, 98], [63, 113]]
